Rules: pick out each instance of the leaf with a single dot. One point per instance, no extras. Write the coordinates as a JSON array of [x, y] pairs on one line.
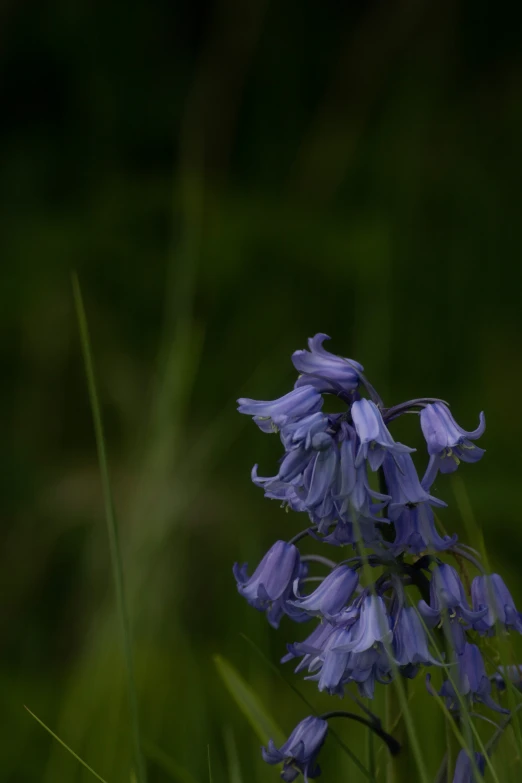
[[249, 703]]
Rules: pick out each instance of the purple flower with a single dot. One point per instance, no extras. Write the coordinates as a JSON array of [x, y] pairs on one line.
[[333, 593], [448, 444], [410, 642], [375, 439], [404, 485], [490, 593], [511, 673], [299, 752], [447, 594], [365, 669], [464, 768], [410, 508], [271, 584], [271, 415], [415, 531], [471, 680], [311, 647], [325, 371], [372, 626]]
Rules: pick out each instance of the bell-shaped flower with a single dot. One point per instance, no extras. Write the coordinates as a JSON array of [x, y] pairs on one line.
[[325, 371], [299, 753], [448, 444], [355, 501], [410, 642], [490, 593], [320, 474], [271, 415], [464, 772], [272, 581], [513, 674], [471, 681], [374, 438], [311, 647], [371, 626], [404, 486], [336, 667], [331, 596], [415, 531], [367, 668], [447, 593], [364, 530], [301, 431], [284, 491]]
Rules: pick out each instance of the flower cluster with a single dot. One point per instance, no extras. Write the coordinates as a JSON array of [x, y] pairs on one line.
[[360, 487]]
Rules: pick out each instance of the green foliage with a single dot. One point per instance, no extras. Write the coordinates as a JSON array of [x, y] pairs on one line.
[[249, 703]]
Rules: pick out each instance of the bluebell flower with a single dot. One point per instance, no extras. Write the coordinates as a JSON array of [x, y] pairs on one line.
[[285, 491], [332, 595], [335, 667], [354, 499], [447, 594], [364, 530], [410, 642], [464, 769], [301, 431], [271, 415], [311, 647], [365, 669], [371, 626], [299, 753], [410, 508], [471, 680], [415, 531], [325, 371], [404, 486], [448, 444], [490, 592], [271, 584], [374, 438], [511, 673]]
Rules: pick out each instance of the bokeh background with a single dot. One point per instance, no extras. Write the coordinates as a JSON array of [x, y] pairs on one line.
[[228, 178]]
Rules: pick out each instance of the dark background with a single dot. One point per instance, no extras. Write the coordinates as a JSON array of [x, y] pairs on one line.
[[228, 178]]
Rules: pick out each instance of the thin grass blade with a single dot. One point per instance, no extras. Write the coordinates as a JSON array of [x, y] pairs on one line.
[[64, 745], [112, 529]]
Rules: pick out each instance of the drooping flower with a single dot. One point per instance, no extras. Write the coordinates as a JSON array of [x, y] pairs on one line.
[[415, 531], [299, 753], [410, 642], [471, 681], [310, 647], [271, 415], [404, 485], [325, 371], [332, 595], [271, 585], [464, 768], [374, 437], [448, 444], [491, 593], [371, 626], [411, 508], [447, 594], [513, 674]]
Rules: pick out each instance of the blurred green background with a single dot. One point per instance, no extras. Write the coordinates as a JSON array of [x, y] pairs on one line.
[[229, 178]]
